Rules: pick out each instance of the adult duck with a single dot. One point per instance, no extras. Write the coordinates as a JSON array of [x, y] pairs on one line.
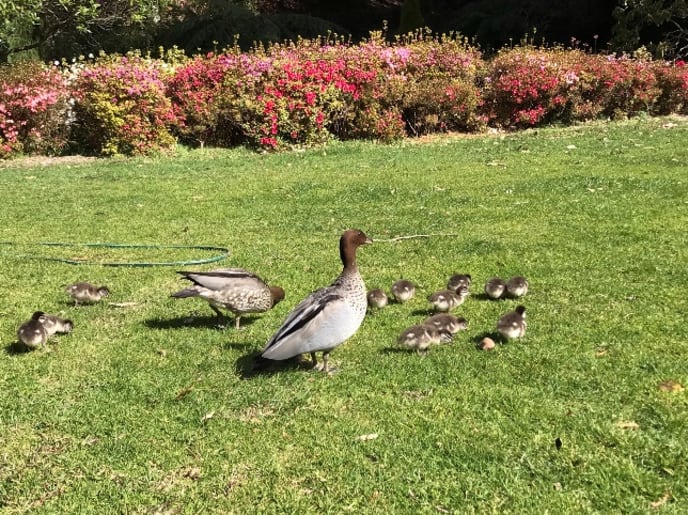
[[234, 289], [327, 317]]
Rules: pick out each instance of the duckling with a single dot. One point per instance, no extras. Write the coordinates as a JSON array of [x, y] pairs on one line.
[[495, 288], [457, 280], [86, 293], [420, 337], [53, 324], [446, 322], [403, 290], [446, 300], [513, 324], [516, 287], [377, 298], [33, 333]]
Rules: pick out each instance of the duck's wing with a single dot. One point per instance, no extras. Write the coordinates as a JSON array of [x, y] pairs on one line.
[[322, 320], [224, 278]]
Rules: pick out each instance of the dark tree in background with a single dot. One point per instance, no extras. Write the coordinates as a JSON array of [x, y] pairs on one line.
[[66, 28]]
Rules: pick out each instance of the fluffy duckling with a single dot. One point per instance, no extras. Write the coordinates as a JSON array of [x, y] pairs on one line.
[[446, 322], [33, 333], [53, 324], [516, 286], [86, 293], [420, 337], [513, 324], [446, 300], [328, 316], [377, 298], [495, 288], [458, 280], [403, 290], [234, 289]]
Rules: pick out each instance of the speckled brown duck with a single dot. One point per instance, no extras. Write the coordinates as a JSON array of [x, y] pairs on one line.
[[234, 289]]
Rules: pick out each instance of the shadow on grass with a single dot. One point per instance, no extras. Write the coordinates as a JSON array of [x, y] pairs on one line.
[[423, 312], [198, 321], [252, 364], [16, 348], [484, 296], [396, 350]]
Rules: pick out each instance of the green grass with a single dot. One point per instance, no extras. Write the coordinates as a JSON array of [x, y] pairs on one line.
[[140, 410]]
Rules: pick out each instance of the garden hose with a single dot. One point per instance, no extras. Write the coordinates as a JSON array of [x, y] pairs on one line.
[[224, 252]]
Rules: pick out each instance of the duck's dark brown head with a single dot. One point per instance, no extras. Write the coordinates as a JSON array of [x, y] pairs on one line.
[[37, 315], [277, 294], [349, 243], [521, 310]]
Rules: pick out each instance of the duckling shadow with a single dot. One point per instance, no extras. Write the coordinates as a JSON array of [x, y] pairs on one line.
[[423, 312], [252, 364], [15, 348], [394, 350], [485, 296]]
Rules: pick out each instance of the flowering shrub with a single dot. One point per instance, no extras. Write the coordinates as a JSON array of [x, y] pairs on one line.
[[527, 86], [121, 107], [33, 110], [619, 86], [307, 92], [672, 81]]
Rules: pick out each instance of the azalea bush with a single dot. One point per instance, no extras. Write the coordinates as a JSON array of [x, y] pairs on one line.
[[306, 92], [34, 110], [437, 84], [121, 106], [672, 81], [526, 86]]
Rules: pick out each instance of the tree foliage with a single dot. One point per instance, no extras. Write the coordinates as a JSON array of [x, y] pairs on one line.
[[661, 25]]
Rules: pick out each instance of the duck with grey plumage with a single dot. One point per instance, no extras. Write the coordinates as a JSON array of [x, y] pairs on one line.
[[328, 316]]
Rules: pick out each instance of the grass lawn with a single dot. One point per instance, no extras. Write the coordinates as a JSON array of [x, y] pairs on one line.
[[149, 408]]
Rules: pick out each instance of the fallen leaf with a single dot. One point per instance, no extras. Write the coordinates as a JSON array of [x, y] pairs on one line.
[[601, 352], [661, 501], [365, 438], [184, 392], [671, 386], [557, 486], [207, 417], [570, 147], [192, 473], [161, 352], [627, 424], [123, 304]]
